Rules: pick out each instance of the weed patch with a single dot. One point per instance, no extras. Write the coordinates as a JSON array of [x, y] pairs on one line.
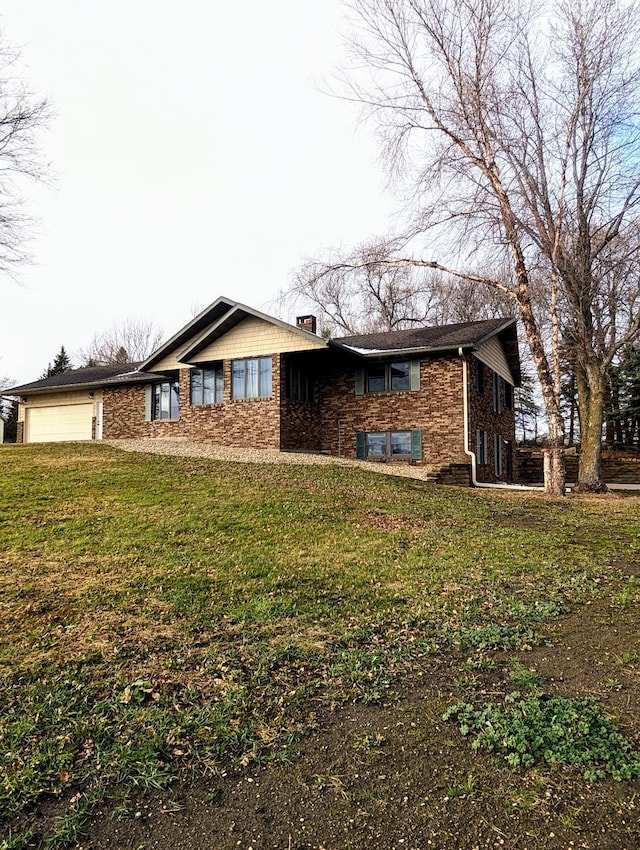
[[549, 729]]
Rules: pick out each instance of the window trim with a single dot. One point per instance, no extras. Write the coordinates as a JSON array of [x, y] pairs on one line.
[[362, 377], [261, 390], [508, 395], [153, 401], [496, 379], [217, 372], [498, 465], [388, 376]]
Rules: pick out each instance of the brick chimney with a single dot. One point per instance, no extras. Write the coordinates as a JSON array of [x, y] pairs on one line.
[[306, 323]]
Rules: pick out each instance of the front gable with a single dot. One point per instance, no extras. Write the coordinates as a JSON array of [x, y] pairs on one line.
[[227, 329], [252, 337]]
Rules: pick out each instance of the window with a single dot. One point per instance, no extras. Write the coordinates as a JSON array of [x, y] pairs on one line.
[[299, 383], [496, 392], [479, 375], [207, 385], [508, 395], [388, 377], [379, 445], [385, 377], [251, 378], [376, 444], [165, 400], [497, 455], [481, 447]]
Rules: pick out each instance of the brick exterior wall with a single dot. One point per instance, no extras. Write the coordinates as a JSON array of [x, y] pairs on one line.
[[123, 413], [483, 417], [331, 421], [235, 422], [435, 409]]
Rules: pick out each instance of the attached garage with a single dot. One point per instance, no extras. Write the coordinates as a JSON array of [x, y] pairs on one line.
[[59, 423]]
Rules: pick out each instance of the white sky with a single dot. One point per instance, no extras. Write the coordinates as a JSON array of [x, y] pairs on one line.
[[194, 155]]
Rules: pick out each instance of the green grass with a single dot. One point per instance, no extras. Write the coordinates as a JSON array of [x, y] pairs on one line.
[[164, 616]]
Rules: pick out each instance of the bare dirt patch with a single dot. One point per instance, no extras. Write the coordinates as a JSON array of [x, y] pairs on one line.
[[394, 775]]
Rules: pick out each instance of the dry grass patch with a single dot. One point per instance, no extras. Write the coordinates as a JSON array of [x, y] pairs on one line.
[[170, 617]]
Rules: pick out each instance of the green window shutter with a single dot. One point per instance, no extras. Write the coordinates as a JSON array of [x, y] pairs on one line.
[[416, 445], [359, 380], [147, 402], [361, 446], [414, 374]]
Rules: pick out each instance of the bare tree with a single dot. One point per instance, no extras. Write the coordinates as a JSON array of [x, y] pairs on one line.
[[126, 342], [376, 295], [22, 116], [514, 140]]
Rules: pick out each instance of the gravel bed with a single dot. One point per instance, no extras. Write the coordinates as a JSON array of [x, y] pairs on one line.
[[189, 448]]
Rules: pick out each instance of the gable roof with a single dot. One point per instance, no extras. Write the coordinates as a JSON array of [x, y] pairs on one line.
[[468, 336], [88, 376], [212, 323], [224, 314]]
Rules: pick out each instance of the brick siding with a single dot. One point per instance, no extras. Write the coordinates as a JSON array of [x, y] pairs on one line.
[[235, 422], [435, 409], [331, 421], [483, 417]]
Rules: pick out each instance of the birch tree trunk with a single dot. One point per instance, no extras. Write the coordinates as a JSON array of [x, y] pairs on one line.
[[591, 391]]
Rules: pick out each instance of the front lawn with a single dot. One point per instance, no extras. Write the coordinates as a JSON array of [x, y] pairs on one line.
[[164, 618]]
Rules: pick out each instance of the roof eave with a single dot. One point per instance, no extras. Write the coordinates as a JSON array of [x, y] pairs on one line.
[[184, 333], [219, 328], [127, 378], [390, 352]]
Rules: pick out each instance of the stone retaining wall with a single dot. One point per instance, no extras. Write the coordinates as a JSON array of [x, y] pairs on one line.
[[617, 467]]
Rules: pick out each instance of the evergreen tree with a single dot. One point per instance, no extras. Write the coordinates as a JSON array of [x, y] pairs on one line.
[[622, 411], [61, 364], [10, 415]]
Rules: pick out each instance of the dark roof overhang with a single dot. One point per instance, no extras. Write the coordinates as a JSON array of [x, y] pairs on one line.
[[87, 378], [464, 337], [212, 323]]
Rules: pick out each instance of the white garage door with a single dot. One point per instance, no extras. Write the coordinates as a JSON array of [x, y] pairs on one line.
[[54, 424]]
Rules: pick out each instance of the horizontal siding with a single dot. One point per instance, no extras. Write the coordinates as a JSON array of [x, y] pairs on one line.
[[253, 338], [58, 400], [171, 360], [492, 354]]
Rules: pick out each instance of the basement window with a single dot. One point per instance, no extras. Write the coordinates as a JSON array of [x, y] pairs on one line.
[[389, 445]]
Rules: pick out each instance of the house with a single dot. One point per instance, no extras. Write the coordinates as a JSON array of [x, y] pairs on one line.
[[441, 397]]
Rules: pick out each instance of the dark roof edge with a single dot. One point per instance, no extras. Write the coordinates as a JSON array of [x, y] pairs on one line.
[[183, 333], [506, 324], [206, 336], [114, 380], [384, 352]]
